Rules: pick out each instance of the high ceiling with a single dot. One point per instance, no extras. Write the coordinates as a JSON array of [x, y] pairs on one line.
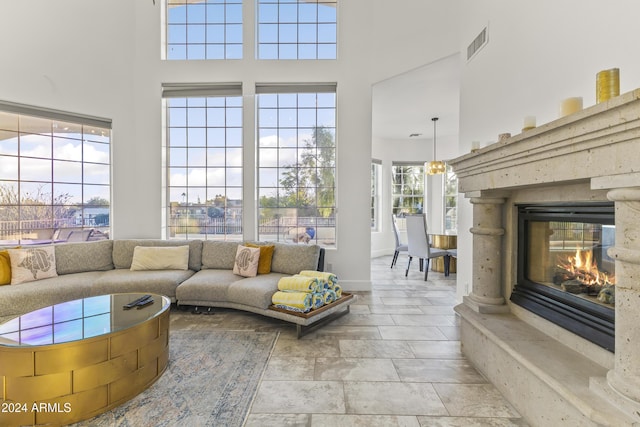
[[404, 104]]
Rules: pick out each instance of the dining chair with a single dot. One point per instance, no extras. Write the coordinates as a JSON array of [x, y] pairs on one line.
[[419, 247], [400, 247]]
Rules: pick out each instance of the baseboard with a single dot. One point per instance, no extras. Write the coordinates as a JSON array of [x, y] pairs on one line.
[[381, 252], [355, 285]]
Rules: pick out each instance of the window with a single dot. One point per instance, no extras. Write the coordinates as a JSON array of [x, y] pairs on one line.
[[450, 201], [54, 176], [376, 173], [204, 162], [207, 29], [408, 189], [297, 163], [297, 29]]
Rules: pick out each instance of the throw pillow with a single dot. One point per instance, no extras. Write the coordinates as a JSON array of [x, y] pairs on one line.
[[266, 254], [5, 268], [246, 263], [32, 264], [160, 258]]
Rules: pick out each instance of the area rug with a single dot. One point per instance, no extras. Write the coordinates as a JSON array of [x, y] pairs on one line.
[[211, 380]]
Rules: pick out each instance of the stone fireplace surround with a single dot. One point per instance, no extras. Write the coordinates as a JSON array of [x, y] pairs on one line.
[[550, 375]]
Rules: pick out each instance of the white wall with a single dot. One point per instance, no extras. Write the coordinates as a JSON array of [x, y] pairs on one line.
[[538, 54], [104, 58], [411, 33]]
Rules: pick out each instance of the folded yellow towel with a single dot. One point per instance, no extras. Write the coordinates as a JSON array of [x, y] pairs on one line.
[[329, 296], [329, 278], [299, 300], [299, 284], [290, 308], [338, 290], [317, 300]]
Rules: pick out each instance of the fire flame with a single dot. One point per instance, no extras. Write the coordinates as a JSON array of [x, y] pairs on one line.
[[585, 269]]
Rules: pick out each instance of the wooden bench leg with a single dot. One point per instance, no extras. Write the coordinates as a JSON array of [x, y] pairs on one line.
[[302, 330]]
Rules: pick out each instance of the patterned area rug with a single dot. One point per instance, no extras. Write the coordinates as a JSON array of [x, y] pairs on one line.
[[211, 380]]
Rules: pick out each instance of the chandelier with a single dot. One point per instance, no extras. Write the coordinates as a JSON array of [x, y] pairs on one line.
[[435, 167]]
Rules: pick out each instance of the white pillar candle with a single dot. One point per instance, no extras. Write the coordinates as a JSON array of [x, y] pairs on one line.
[[570, 106], [529, 122]]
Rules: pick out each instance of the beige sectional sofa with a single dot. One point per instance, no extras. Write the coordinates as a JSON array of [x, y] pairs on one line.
[[102, 267]]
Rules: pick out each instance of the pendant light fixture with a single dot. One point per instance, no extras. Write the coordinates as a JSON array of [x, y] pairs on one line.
[[435, 167]]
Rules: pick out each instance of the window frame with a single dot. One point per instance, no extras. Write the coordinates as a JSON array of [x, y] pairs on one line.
[[276, 198], [401, 211], [73, 148], [307, 36], [202, 31], [376, 194], [219, 217], [450, 211]]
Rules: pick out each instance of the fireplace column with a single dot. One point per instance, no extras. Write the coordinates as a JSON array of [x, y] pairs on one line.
[[625, 376], [486, 294]]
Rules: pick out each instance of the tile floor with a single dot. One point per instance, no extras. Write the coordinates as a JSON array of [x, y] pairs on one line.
[[395, 360]]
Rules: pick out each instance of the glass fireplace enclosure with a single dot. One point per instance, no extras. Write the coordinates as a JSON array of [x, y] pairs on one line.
[[564, 272]]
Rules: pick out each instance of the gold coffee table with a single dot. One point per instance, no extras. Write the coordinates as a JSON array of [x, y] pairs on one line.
[[72, 361]]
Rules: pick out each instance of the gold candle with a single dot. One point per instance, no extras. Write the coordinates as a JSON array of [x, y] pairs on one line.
[[607, 84]]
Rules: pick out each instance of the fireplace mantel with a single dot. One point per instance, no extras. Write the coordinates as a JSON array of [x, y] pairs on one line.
[[599, 141], [552, 377]]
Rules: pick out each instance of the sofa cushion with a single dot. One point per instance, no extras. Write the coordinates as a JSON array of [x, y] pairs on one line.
[[34, 263], [206, 285], [218, 255], [26, 297], [85, 256], [123, 250], [161, 282], [255, 291], [291, 258], [160, 258]]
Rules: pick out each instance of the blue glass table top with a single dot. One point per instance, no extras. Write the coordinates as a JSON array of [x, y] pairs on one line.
[[78, 319]]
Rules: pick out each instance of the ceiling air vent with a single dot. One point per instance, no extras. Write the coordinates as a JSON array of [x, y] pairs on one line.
[[477, 43]]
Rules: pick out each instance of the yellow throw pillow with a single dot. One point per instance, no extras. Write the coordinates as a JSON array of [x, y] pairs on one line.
[[266, 255], [5, 268]]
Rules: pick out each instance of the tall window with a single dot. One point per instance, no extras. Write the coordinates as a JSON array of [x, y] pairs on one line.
[[54, 176], [297, 29], [207, 29], [204, 163], [376, 173], [450, 201], [408, 188], [297, 163]]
